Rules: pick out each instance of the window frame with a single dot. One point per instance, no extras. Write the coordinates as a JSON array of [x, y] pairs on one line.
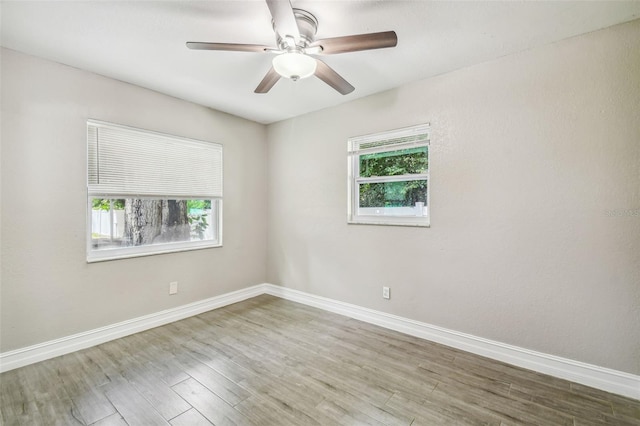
[[93, 255], [421, 132]]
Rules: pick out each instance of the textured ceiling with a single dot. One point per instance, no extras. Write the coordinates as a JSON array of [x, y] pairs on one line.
[[143, 43]]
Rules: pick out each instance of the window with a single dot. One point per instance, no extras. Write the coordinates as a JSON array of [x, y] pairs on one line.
[[150, 193], [389, 177]]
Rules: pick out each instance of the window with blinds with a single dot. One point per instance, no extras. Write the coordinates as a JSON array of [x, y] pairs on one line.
[[150, 193], [389, 178]]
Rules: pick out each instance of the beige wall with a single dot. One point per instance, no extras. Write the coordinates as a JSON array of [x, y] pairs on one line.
[[48, 290], [528, 155]]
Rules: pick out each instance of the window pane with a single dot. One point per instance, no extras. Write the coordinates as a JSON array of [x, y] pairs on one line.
[[121, 223], [403, 198], [394, 163]]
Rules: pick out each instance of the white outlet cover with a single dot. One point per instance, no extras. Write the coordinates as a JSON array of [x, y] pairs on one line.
[[173, 287]]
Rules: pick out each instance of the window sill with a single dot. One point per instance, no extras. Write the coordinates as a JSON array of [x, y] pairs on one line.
[[107, 255], [420, 223]]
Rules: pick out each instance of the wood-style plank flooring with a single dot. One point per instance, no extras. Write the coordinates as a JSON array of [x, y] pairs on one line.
[[268, 361]]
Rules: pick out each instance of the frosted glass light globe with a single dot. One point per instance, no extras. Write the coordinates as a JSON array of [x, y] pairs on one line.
[[294, 65]]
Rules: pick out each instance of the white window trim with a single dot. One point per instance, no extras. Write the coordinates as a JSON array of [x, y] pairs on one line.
[[354, 181], [150, 249]]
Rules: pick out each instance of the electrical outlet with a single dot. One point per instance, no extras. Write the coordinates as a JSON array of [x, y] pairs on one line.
[[386, 292], [173, 287]]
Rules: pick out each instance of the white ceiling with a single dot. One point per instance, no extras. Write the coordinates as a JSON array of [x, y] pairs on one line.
[[143, 43]]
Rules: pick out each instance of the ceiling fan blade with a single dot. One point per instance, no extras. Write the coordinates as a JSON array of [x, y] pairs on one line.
[[354, 43], [283, 18], [234, 47], [268, 81], [325, 73]]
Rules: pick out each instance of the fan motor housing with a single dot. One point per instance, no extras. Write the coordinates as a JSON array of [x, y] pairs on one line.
[[307, 25]]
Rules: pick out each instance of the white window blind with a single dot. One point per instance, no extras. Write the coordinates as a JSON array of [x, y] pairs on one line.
[[127, 161], [399, 138]]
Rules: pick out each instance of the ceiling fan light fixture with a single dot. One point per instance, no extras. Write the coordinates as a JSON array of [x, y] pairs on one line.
[[295, 31], [294, 65]]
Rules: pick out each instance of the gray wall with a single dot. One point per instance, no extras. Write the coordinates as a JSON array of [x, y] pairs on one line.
[[529, 155], [48, 290]]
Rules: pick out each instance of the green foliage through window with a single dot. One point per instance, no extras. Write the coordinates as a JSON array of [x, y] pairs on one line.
[[105, 204], [395, 163], [393, 194], [401, 162], [199, 204]]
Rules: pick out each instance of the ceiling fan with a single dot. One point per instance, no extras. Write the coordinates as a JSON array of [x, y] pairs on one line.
[[295, 31]]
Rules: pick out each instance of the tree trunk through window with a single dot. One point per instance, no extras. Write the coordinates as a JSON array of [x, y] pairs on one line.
[[155, 221]]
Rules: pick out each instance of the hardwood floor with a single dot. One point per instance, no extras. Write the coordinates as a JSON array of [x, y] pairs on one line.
[[267, 361]]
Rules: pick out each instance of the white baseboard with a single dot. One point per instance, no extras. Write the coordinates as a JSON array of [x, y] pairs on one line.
[[590, 375], [53, 348]]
